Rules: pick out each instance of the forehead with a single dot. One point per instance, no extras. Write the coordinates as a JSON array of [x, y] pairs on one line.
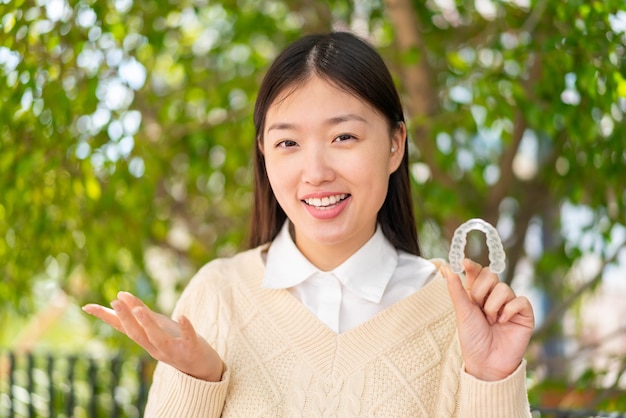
[[318, 97]]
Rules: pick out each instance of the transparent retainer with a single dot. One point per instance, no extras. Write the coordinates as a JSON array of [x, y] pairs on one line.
[[494, 244]]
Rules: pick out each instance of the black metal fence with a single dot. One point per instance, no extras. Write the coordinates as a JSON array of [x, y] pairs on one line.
[[73, 386], [564, 413], [81, 386]]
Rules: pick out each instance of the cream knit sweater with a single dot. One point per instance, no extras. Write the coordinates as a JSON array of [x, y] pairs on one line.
[[283, 362]]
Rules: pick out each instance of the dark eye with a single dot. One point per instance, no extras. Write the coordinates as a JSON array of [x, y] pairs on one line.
[[287, 143], [344, 137]]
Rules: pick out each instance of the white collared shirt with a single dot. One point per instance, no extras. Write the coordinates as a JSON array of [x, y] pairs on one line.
[[372, 279]]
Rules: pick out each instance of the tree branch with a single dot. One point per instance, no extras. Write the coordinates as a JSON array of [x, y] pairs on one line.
[[537, 198], [418, 81], [507, 177]]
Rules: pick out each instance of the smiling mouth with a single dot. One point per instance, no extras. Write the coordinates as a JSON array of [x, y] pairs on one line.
[[325, 202]]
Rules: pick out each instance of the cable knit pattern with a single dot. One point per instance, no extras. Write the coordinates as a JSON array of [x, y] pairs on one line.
[[281, 361], [450, 381]]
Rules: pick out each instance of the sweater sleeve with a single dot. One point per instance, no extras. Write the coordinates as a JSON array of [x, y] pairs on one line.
[[176, 394], [506, 398]]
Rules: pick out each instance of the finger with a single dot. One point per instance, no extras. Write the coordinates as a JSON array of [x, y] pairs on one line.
[[496, 301], [458, 294], [482, 285], [131, 300], [167, 324], [188, 334], [518, 310], [164, 322], [159, 339], [132, 327], [472, 270], [105, 314]]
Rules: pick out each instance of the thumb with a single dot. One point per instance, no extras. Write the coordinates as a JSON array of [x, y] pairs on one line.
[[458, 294]]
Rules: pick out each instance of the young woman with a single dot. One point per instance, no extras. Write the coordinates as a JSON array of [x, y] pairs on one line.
[[333, 312]]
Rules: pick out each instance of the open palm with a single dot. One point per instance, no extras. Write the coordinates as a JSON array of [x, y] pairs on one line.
[[173, 342]]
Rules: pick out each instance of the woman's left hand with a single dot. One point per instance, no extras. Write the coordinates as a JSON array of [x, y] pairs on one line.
[[494, 325]]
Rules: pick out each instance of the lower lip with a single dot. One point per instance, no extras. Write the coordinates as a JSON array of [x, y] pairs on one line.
[[327, 213]]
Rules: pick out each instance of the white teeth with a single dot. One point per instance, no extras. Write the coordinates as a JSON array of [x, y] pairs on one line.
[[325, 201]]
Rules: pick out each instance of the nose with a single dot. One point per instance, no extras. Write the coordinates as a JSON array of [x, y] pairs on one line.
[[317, 166]]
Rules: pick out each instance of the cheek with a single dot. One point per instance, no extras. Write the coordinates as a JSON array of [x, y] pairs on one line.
[[279, 178], [378, 178], [375, 168]]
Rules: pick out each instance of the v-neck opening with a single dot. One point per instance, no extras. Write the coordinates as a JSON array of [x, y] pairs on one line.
[[332, 354]]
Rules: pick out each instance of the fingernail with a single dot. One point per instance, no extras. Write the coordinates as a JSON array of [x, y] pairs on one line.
[[115, 305], [443, 270]]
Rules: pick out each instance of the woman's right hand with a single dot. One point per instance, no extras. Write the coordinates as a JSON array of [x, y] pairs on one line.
[[168, 341]]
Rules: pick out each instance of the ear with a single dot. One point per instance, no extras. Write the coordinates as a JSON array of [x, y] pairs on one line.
[[259, 143], [398, 143]]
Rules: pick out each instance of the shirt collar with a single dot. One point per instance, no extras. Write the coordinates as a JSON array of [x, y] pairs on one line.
[[285, 265], [366, 273]]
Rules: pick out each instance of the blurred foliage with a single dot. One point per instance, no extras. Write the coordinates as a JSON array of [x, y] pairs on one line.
[[126, 138]]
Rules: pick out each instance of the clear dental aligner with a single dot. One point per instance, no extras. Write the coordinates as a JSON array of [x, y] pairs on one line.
[[494, 244]]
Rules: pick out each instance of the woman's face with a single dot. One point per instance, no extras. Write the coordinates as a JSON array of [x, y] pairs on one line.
[[329, 156]]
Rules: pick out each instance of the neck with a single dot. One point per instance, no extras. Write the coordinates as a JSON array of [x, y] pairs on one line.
[[327, 257]]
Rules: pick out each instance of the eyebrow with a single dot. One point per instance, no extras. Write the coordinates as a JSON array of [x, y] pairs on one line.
[[335, 120]]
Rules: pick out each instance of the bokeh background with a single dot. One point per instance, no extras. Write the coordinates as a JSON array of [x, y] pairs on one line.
[[126, 139]]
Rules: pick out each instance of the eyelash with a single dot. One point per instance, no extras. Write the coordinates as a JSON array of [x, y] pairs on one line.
[[288, 143], [344, 137]]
